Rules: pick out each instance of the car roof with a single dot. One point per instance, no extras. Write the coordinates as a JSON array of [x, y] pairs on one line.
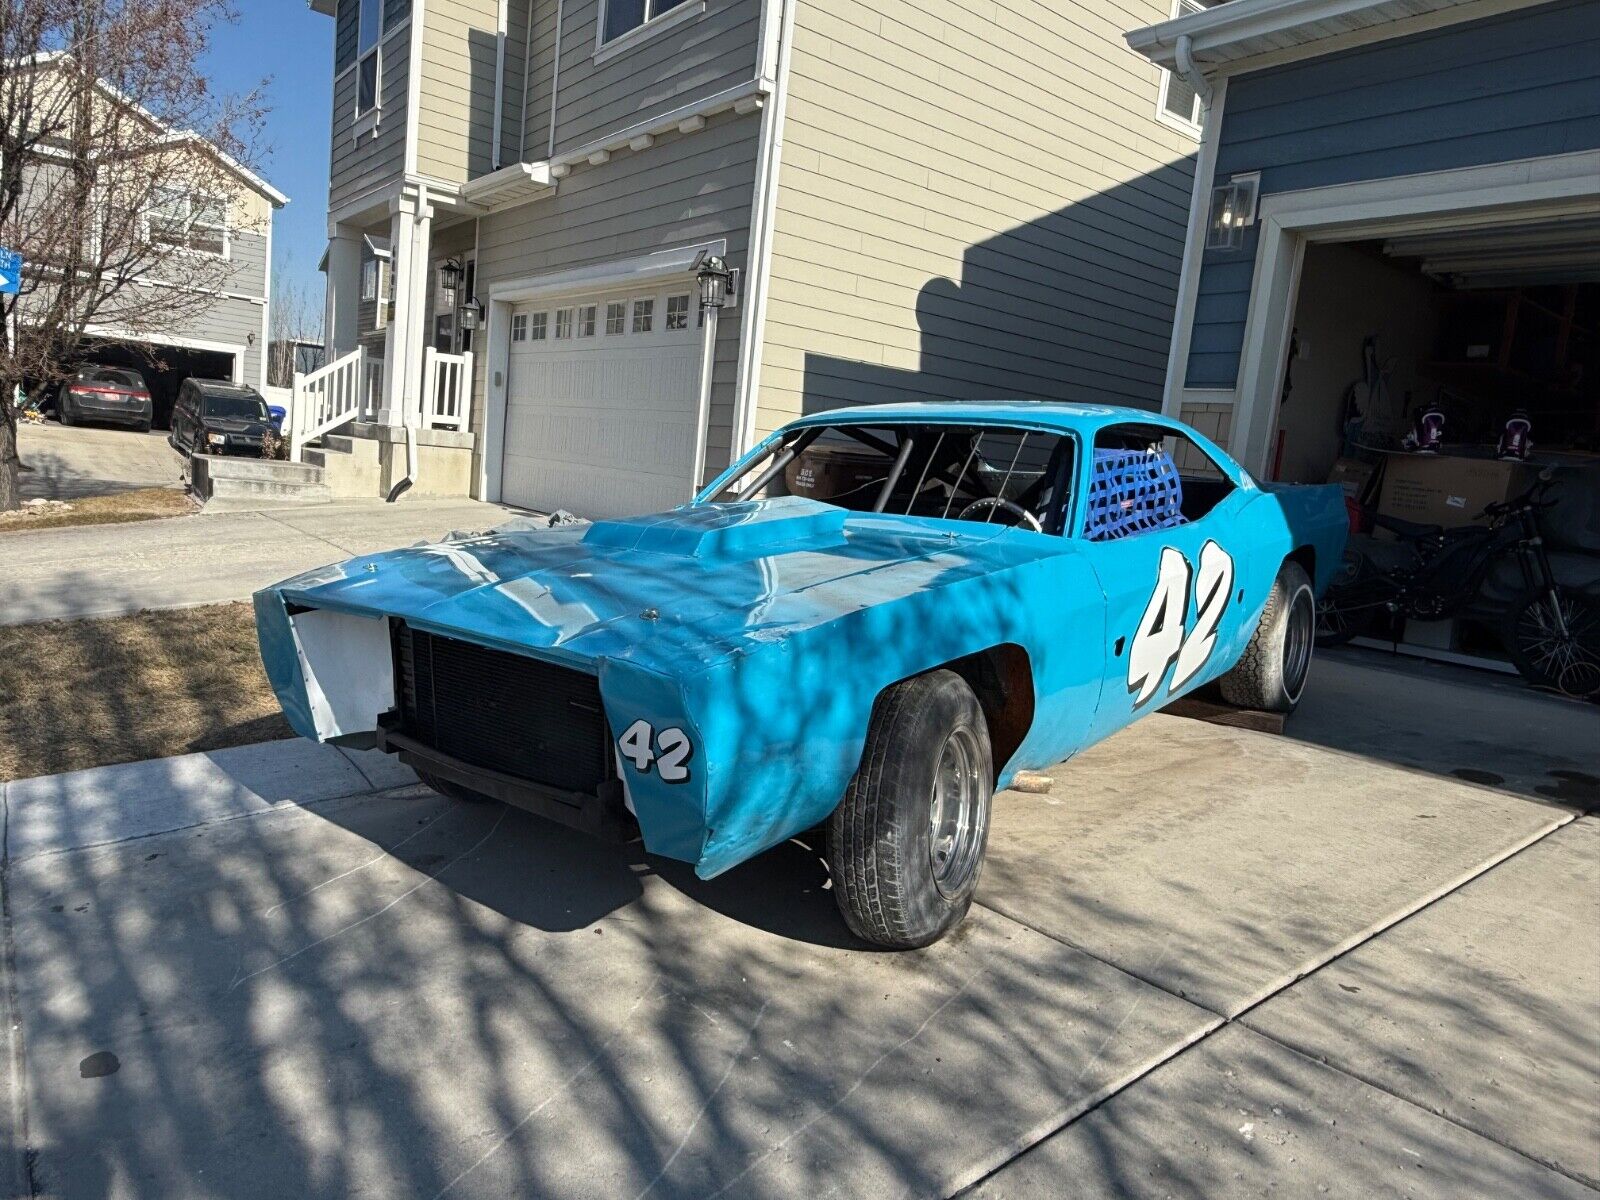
[[1048, 414], [223, 387]]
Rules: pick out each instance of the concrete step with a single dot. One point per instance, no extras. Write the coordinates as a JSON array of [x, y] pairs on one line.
[[339, 443], [230, 479]]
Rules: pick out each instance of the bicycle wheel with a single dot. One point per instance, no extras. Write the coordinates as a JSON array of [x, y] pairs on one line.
[[1566, 659]]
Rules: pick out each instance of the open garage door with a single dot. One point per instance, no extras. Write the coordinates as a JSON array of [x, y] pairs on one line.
[[164, 367], [601, 403]]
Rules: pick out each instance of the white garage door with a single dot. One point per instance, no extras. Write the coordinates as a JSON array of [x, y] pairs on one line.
[[601, 402]]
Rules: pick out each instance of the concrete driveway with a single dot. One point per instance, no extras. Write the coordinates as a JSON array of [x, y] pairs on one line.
[[66, 462], [1212, 963]]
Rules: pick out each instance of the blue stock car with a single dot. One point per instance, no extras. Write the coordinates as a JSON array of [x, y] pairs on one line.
[[872, 622]]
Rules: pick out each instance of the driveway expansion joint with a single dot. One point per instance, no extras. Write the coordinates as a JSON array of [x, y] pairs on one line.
[[1278, 987], [21, 1155]]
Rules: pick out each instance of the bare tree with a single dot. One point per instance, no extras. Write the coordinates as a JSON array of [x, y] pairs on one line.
[[296, 317], [119, 177]]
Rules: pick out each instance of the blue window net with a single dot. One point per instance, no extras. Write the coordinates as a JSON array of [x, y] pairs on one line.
[[1132, 491]]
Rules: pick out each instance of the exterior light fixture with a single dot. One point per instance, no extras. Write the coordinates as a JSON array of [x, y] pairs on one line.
[[1233, 210], [718, 284], [451, 274], [470, 315]]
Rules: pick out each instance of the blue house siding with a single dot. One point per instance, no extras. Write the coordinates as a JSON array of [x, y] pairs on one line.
[[1522, 85]]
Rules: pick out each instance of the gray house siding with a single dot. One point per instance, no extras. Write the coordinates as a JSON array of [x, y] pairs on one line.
[[360, 164], [700, 57], [687, 189], [971, 207], [1522, 85]]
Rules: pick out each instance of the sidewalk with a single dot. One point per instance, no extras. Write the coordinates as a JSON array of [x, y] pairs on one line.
[[110, 570]]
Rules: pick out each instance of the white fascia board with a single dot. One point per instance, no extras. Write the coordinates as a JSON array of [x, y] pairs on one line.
[[1242, 20], [601, 277], [510, 184]]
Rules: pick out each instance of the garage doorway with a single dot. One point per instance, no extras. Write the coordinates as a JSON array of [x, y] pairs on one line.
[[602, 401], [1412, 359], [164, 368]]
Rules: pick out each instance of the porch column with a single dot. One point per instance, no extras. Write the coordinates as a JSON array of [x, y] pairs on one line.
[[410, 233], [342, 315]]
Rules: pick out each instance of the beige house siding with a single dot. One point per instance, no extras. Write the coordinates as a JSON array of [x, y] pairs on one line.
[[978, 203], [677, 66], [360, 164], [1213, 420], [687, 189], [455, 123]]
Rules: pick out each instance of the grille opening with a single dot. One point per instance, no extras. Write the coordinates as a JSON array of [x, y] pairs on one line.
[[519, 716]]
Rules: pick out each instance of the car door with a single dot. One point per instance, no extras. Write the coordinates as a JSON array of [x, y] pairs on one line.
[[183, 418], [1162, 533]]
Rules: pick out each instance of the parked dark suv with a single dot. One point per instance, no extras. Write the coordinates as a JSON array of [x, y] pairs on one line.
[[212, 417], [113, 394]]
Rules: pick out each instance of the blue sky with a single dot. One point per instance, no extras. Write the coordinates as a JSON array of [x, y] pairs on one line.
[[291, 47]]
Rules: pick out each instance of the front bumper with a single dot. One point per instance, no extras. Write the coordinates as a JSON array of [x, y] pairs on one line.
[[603, 815]]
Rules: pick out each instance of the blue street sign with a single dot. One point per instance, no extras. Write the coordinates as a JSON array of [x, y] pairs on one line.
[[10, 272]]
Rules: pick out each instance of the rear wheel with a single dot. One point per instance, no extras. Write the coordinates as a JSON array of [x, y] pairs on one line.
[[1563, 654], [906, 844], [447, 787], [1271, 675], [64, 410]]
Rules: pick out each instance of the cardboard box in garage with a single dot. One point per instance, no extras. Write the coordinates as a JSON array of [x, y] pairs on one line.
[[1439, 489]]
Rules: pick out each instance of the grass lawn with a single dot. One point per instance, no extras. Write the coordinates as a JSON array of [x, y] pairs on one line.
[[142, 504], [79, 694]]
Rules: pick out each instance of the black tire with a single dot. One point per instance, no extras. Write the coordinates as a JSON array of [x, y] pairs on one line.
[[144, 426], [1271, 675], [447, 787], [1568, 664], [64, 412], [896, 883]]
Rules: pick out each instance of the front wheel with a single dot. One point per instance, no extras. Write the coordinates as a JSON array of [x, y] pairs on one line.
[[906, 844], [1271, 674], [1558, 653]]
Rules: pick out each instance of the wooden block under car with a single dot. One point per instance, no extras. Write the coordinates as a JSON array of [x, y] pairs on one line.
[[1198, 709]]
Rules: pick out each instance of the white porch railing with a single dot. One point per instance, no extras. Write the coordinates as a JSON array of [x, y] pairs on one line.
[[446, 389], [327, 398]]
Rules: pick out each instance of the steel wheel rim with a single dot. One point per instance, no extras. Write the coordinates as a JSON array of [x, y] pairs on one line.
[[956, 814], [1297, 640]]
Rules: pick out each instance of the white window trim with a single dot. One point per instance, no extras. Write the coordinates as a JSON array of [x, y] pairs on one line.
[[370, 295], [397, 28], [1168, 118], [623, 42], [224, 254]]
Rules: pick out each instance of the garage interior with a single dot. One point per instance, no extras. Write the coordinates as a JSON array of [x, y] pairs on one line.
[[164, 367], [1460, 334]]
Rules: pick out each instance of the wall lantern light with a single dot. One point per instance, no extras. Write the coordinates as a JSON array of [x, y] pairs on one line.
[[470, 315], [718, 284], [451, 274], [1233, 210]]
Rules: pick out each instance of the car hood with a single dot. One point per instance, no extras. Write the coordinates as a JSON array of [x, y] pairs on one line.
[[694, 584]]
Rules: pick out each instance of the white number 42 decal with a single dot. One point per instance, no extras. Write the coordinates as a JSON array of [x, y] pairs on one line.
[[669, 751], [1160, 642]]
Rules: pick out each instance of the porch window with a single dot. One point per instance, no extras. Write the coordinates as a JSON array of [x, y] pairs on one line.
[[369, 280], [644, 315], [617, 317], [624, 16], [189, 222]]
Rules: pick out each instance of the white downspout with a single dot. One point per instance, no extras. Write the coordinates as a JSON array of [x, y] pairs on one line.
[[499, 83], [1183, 56], [555, 80]]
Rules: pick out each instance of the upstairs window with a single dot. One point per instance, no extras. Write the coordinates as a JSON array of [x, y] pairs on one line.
[[368, 56], [198, 223], [1179, 103], [624, 16]]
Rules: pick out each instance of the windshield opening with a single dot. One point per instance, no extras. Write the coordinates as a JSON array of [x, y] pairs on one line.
[[248, 408], [990, 474]]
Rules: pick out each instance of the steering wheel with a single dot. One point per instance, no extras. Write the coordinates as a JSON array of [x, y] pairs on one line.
[[1024, 517]]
